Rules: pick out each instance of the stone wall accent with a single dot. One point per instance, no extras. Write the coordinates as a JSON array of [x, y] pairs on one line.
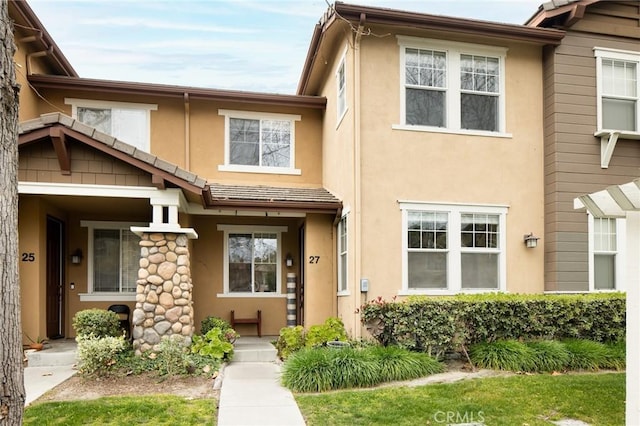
[[164, 305]]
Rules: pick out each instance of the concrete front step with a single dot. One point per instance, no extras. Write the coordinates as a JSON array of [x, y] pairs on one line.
[[58, 353], [248, 349]]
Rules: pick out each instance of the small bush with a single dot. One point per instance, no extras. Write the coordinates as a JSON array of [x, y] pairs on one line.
[[550, 355], [290, 340], [587, 355], [97, 323], [211, 322], [172, 357], [509, 355], [331, 330], [99, 356], [214, 344]]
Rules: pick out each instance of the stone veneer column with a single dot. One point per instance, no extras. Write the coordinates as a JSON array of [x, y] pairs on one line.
[[164, 305]]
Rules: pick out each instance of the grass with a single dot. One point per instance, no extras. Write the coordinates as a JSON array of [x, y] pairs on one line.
[[150, 410], [597, 399]]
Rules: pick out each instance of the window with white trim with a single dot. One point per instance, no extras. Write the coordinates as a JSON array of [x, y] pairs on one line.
[[125, 121], [113, 258], [252, 259], [342, 255], [259, 142], [453, 86], [606, 237], [453, 248], [341, 85]]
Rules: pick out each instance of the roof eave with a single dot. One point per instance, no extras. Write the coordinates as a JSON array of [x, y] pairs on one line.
[[329, 208]]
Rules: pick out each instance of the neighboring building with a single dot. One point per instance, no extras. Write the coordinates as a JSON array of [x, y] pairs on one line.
[[411, 161], [592, 137]]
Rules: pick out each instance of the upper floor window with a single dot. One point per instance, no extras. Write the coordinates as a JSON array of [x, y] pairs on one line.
[[456, 87], [618, 90], [606, 237], [453, 248], [341, 85], [259, 142], [342, 256], [127, 122]]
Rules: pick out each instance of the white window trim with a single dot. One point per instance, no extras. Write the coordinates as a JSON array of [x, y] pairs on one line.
[[255, 115], [227, 229], [92, 103], [454, 270], [453, 51], [90, 295], [346, 291], [341, 64], [620, 261], [601, 53]]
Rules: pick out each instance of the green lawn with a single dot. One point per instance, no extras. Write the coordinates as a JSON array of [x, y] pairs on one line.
[[144, 410], [597, 399]]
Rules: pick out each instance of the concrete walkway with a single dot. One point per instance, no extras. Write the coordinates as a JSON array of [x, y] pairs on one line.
[[38, 380], [251, 394]]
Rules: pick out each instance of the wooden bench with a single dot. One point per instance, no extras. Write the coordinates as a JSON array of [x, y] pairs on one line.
[[257, 321]]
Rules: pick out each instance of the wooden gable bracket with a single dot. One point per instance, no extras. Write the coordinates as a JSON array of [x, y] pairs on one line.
[[608, 141], [59, 141], [158, 181]]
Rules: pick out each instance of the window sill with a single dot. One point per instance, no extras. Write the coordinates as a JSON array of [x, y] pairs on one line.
[[258, 169], [451, 131], [252, 295], [436, 292], [623, 134], [343, 293], [107, 297]]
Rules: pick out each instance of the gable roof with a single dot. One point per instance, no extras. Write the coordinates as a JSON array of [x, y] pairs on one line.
[[559, 13], [356, 16], [58, 127]]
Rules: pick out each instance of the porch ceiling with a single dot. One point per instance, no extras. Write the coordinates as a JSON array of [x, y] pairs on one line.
[[97, 206], [614, 201]]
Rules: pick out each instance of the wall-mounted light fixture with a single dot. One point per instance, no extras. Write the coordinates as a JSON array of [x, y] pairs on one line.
[[76, 257], [530, 240], [289, 260]]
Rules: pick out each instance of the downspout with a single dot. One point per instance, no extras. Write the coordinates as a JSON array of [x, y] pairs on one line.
[[357, 178], [187, 132]]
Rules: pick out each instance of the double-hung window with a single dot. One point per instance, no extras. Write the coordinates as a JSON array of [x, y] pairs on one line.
[[606, 237], [252, 260], [455, 87], [453, 248], [618, 90], [259, 142], [113, 260], [342, 256], [125, 121]]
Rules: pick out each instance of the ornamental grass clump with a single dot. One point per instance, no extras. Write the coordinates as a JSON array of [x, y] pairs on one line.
[[352, 368], [400, 364], [309, 370], [510, 355], [550, 355], [617, 355], [587, 355]]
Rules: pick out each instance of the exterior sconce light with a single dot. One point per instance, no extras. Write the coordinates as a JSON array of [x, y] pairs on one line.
[[289, 260], [530, 240], [76, 257]]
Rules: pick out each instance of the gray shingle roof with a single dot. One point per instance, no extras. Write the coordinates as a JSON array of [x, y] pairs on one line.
[[554, 4], [47, 120], [276, 195]]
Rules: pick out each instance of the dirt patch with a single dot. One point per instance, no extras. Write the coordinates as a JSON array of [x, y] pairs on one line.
[[79, 388]]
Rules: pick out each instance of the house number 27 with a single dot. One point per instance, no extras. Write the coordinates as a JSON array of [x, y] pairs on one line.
[[314, 259]]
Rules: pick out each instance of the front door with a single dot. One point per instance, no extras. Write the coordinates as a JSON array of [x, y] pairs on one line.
[[55, 279]]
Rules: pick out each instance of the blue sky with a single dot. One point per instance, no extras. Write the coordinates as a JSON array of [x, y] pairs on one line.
[[252, 45]]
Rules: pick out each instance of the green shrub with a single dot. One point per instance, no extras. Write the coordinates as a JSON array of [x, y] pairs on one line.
[[214, 344], [550, 355], [324, 368], [443, 324], [290, 340], [97, 323], [210, 322], [172, 357], [331, 330], [99, 355], [509, 355], [587, 355]]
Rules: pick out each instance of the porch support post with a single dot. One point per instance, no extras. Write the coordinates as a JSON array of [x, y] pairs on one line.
[[164, 304], [291, 299]]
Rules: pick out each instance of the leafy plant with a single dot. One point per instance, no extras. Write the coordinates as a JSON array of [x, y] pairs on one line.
[[99, 355], [290, 340], [97, 323], [331, 330], [214, 344]]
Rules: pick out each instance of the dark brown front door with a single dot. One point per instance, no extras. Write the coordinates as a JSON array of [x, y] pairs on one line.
[[55, 278]]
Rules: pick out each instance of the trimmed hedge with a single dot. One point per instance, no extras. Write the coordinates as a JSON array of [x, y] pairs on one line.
[[445, 324]]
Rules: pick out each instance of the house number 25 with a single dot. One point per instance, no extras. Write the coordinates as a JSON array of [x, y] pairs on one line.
[[314, 259], [28, 257]]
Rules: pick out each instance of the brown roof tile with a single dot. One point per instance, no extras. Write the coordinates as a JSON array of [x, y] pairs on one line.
[[305, 198]]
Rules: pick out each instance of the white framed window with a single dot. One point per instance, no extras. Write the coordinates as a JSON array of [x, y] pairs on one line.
[[259, 142], [341, 87], [343, 249], [451, 248], [606, 258], [113, 261], [618, 90], [128, 122], [452, 87], [252, 265]]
